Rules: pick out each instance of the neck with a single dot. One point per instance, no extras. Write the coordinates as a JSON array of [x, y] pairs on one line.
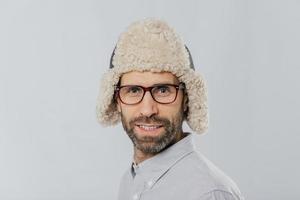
[[139, 156]]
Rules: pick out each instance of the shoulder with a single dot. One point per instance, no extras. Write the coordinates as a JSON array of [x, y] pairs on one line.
[[199, 172], [220, 195]]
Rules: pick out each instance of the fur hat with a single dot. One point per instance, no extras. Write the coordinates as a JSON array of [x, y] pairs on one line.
[[151, 45]]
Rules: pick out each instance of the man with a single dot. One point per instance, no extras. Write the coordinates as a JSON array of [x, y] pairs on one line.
[[152, 87]]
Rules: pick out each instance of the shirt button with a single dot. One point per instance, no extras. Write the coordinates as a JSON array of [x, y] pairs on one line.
[[150, 183], [135, 197]]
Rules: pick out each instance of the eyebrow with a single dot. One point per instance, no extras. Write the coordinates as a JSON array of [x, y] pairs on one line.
[[157, 84], [153, 85]]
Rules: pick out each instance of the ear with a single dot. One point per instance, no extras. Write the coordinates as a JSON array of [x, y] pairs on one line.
[[119, 107], [118, 103]]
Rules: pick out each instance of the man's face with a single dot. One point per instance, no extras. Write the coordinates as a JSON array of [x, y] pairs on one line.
[[150, 125]]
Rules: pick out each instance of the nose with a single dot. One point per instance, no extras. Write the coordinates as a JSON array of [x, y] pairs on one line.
[[148, 107]]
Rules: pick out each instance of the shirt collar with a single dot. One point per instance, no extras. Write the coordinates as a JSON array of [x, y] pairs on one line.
[[157, 165]]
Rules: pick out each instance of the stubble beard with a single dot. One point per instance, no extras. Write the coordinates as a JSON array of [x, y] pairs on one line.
[[154, 144]]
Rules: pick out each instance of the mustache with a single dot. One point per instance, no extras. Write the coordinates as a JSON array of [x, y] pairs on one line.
[[149, 120]]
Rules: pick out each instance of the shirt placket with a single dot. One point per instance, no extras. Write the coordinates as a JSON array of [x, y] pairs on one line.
[[138, 185]]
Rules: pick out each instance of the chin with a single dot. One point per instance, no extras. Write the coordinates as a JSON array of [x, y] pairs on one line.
[[152, 148]]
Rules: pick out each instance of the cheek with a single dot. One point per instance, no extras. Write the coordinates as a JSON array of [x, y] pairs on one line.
[[170, 111], [174, 108], [127, 113]]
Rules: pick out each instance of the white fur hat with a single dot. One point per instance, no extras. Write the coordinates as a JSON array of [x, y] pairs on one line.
[[151, 45]]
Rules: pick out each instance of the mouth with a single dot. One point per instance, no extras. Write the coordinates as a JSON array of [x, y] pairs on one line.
[[149, 128]]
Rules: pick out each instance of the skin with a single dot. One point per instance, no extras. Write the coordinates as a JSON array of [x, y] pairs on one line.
[[167, 118]]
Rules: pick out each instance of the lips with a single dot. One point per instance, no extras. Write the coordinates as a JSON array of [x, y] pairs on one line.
[[149, 127]]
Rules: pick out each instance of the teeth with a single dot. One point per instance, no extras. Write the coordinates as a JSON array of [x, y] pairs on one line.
[[148, 128]]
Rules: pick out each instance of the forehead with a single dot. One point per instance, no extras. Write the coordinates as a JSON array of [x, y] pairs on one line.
[[148, 78]]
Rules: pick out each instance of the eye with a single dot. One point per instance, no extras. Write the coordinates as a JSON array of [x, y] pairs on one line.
[[133, 90], [162, 90]]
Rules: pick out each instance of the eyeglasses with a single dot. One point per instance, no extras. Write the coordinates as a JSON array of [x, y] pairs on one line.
[[162, 93]]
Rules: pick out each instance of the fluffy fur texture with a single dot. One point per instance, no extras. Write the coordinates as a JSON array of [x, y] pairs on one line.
[[151, 45]]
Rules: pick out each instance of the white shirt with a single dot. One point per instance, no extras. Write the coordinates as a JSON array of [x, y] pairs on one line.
[[177, 173]]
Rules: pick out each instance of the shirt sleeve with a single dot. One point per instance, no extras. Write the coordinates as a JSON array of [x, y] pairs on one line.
[[220, 195]]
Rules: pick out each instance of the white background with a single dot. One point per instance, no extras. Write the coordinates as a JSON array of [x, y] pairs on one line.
[[52, 56]]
